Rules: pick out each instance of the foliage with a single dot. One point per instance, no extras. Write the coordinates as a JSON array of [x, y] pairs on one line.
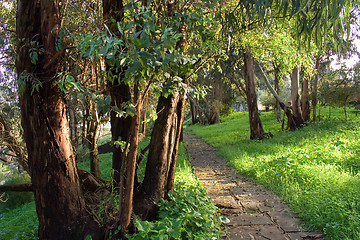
[[340, 87], [315, 169]]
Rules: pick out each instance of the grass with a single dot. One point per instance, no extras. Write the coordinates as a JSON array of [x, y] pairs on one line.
[[190, 215], [316, 169]]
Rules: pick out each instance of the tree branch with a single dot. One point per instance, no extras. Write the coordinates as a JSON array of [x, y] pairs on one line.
[[17, 188]]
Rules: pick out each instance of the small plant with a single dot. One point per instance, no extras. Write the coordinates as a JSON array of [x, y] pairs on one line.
[[189, 214]]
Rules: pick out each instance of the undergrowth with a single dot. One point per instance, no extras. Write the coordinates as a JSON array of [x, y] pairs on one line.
[[316, 169], [189, 214]]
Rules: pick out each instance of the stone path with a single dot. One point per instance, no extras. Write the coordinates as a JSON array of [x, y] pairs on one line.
[[254, 212]]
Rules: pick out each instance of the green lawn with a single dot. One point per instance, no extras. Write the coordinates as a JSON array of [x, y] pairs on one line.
[[315, 169]]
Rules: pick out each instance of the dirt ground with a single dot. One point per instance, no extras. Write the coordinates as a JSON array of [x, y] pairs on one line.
[[254, 212]]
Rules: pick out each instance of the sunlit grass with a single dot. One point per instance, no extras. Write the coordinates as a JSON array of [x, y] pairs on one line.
[[315, 169]]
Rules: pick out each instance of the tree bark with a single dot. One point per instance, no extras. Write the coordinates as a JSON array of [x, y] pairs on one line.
[[119, 91], [72, 103], [58, 197], [128, 175], [256, 129], [295, 95], [305, 104], [277, 108], [163, 150], [92, 136]]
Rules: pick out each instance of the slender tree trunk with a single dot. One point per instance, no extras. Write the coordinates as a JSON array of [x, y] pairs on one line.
[[92, 136], [119, 92], [256, 129], [58, 197], [84, 129], [143, 115], [163, 150], [314, 90], [129, 167], [292, 122], [277, 108], [295, 103], [72, 103], [305, 104]]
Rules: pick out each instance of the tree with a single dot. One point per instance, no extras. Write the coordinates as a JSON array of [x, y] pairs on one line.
[[256, 129], [295, 102], [339, 87], [59, 201]]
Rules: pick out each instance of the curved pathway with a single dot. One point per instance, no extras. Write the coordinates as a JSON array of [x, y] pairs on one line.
[[254, 212]]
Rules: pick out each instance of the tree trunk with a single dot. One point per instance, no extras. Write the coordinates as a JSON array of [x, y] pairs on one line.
[[305, 104], [163, 150], [58, 197], [314, 90], [143, 116], [292, 122], [277, 108], [256, 129], [129, 166], [119, 92], [295, 93], [92, 136], [12, 144], [72, 103]]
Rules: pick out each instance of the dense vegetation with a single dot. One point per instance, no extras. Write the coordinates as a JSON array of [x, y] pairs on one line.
[[189, 214], [68, 67], [315, 168]]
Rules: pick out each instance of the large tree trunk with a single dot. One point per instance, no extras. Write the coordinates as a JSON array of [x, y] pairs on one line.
[[314, 89], [305, 104], [256, 129], [295, 95], [58, 197], [12, 144], [163, 150]]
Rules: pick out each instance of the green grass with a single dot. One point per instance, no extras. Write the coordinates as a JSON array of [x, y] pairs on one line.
[[315, 169], [190, 215]]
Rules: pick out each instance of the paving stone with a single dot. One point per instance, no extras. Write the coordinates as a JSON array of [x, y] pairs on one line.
[[248, 219], [272, 232], [286, 221]]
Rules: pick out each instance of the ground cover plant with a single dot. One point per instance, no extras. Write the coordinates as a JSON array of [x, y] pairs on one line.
[[315, 168], [189, 214]]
